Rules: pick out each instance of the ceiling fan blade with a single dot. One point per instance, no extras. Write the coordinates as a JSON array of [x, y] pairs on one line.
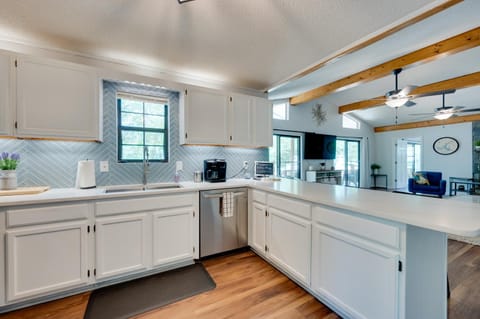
[[468, 110], [409, 104], [406, 90], [434, 93], [421, 114]]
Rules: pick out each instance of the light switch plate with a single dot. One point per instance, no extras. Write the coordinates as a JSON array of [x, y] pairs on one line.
[[103, 166]]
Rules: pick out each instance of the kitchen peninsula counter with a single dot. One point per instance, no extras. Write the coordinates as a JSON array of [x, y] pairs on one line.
[[456, 217]]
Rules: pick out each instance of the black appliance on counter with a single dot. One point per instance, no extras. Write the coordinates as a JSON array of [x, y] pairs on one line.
[[214, 170]]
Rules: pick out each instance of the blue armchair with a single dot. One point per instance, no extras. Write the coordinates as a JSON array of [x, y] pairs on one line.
[[436, 185]]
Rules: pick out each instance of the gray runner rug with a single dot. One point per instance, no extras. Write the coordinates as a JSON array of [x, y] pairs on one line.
[[134, 297]]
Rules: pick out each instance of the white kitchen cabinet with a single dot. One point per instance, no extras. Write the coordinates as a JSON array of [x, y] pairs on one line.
[[240, 119], [6, 95], [56, 100], [258, 218], [47, 249], [43, 259], [212, 117], [357, 261], [173, 236], [262, 123], [141, 233], [359, 277], [281, 232], [204, 114], [121, 244], [288, 243]]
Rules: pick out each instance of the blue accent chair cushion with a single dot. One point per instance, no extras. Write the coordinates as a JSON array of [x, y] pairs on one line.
[[435, 186]]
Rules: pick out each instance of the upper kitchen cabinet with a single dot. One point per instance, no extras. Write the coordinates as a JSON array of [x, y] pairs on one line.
[[57, 100], [240, 123], [212, 117], [6, 96], [262, 123], [203, 117]]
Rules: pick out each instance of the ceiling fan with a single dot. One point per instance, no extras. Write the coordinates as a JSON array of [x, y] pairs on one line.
[[444, 112], [397, 97]]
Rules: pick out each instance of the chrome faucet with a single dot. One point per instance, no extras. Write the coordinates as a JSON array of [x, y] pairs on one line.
[[146, 164]]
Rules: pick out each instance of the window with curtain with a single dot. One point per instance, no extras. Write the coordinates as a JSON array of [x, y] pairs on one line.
[[142, 123]]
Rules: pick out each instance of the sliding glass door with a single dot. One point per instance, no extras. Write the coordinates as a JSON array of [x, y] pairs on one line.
[[348, 160], [285, 154]]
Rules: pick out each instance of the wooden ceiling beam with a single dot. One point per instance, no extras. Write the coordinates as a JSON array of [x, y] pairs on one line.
[[458, 43], [406, 126], [447, 4], [461, 82]]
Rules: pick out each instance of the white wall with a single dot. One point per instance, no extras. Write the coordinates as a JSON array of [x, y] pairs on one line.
[[458, 164], [301, 120]]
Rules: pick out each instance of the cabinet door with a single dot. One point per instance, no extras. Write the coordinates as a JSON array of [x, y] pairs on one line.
[[257, 240], [173, 236], [262, 121], [357, 276], [57, 99], [205, 117], [45, 259], [6, 95], [121, 244], [240, 120], [289, 240]]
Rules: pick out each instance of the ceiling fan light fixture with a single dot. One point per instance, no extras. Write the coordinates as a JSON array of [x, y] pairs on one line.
[[396, 102], [442, 116]]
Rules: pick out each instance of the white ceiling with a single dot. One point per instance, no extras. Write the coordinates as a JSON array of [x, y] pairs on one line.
[[253, 44]]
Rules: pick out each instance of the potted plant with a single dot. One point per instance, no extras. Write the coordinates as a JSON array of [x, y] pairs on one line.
[[375, 167], [8, 173], [477, 145]]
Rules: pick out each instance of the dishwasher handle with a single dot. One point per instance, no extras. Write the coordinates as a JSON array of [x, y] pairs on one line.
[[221, 195]]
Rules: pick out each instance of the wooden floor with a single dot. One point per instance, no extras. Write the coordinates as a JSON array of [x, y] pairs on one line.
[[248, 287]]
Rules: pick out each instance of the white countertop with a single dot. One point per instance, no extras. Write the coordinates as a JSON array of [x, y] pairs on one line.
[[450, 215]]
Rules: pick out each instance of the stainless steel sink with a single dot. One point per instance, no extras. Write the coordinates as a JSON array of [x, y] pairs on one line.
[[140, 187]]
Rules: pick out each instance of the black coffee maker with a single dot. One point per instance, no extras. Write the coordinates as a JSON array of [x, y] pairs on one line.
[[214, 170]]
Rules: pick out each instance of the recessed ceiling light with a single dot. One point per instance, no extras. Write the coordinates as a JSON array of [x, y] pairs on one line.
[[183, 1]]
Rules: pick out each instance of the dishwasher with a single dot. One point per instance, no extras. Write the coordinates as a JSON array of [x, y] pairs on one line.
[[223, 229]]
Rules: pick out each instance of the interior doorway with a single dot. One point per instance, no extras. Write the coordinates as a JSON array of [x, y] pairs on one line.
[[408, 160], [348, 159]]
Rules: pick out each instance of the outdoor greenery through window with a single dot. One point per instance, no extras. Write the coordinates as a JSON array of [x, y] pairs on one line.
[[285, 155], [142, 122]]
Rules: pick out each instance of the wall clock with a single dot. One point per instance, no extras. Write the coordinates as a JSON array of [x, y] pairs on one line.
[[445, 145]]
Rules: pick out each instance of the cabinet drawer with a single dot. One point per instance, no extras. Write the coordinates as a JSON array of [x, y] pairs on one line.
[[258, 196], [46, 214], [383, 233], [123, 206], [292, 206]]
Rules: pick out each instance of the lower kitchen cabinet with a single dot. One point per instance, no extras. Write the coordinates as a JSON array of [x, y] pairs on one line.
[[280, 231], [358, 277], [43, 259], [289, 239], [142, 233], [173, 236], [121, 244], [258, 217]]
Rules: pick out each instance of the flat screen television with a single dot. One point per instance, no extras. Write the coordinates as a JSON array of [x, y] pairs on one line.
[[319, 146]]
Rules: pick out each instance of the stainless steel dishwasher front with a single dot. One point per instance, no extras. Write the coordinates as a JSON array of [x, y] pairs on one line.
[[220, 231]]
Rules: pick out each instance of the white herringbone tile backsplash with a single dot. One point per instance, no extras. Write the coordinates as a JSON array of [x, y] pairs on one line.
[[54, 163]]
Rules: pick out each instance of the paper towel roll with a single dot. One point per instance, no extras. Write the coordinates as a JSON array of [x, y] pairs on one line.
[[85, 174]]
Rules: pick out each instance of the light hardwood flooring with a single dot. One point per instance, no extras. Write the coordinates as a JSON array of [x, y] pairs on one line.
[[248, 287]]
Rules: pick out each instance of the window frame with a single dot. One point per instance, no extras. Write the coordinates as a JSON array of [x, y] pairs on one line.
[[276, 137], [144, 99], [286, 111]]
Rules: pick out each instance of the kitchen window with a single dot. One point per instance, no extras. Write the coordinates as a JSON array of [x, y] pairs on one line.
[[142, 125]]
